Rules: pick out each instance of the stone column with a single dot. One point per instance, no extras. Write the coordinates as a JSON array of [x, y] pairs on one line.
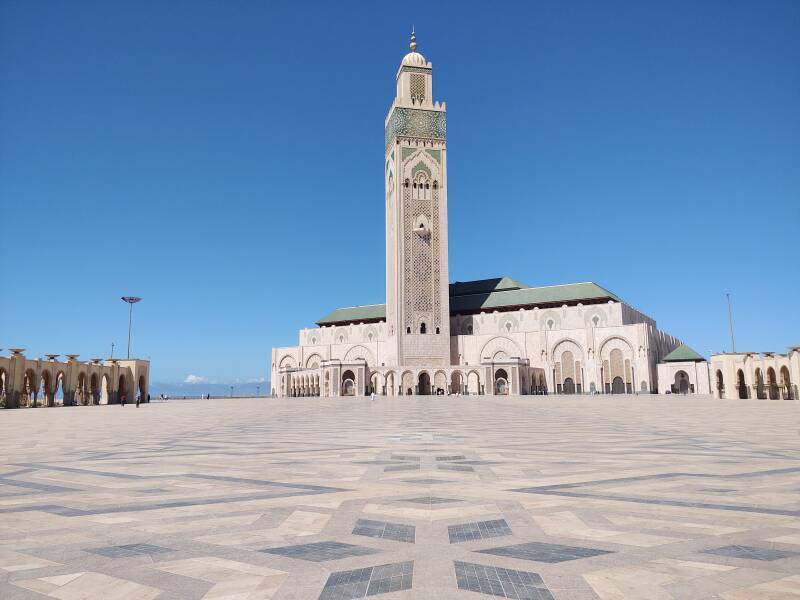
[[15, 378], [71, 379]]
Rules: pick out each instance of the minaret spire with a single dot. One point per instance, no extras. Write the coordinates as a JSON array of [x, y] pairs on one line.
[[413, 44]]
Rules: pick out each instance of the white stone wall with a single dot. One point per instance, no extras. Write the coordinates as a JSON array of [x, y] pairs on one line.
[[589, 333], [697, 373], [749, 375]]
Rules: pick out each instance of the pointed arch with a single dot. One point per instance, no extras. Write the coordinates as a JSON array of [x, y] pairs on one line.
[[497, 345], [359, 353]]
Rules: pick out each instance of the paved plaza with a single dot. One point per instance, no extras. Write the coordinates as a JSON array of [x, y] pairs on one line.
[[517, 497]]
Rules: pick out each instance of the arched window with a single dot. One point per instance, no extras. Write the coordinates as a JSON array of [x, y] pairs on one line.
[[437, 330], [435, 185], [422, 328], [405, 183], [408, 329]]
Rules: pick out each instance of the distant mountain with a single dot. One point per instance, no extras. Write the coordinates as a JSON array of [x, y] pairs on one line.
[[195, 390]]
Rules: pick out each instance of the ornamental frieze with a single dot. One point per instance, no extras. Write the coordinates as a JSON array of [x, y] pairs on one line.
[[416, 123]]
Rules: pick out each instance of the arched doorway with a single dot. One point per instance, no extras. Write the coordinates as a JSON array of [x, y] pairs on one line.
[[3, 397], [407, 384], [681, 385], [82, 391], [569, 386], [456, 386], [142, 389], [94, 389], [424, 384], [617, 386], [501, 382], [740, 383], [28, 398], [760, 392], [772, 384], [786, 384], [720, 384], [440, 382], [58, 389], [348, 383], [122, 389], [104, 390], [44, 388], [473, 383]]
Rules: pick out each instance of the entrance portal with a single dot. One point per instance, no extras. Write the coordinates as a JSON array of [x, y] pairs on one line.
[[424, 386], [681, 382]]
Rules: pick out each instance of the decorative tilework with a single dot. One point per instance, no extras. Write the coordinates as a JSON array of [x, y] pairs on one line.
[[456, 467], [752, 553], [369, 581], [435, 155], [496, 581], [478, 530], [431, 500], [385, 530], [416, 123], [128, 550], [321, 551], [405, 467], [541, 552]]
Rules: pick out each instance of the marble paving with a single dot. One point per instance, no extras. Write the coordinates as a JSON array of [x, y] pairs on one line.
[[652, 497]]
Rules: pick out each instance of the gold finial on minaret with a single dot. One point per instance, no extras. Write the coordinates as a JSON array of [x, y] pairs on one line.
[[413, 40]]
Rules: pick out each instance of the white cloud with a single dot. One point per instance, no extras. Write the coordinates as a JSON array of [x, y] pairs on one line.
[[257, 380], [195, 379]]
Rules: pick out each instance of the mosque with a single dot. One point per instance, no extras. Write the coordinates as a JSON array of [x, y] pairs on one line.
[[492, 336]]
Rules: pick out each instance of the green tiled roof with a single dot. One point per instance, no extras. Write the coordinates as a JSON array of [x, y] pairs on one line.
[[486, 294], [483, 286], [682, 354], [527, 296], [355, 314]]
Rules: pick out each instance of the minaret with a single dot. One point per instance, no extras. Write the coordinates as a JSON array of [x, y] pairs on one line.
[[417, 292]]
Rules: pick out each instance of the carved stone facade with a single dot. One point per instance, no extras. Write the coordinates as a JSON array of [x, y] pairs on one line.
[[494, 336]]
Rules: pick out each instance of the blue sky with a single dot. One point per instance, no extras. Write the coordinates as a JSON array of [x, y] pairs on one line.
[[223, 160]]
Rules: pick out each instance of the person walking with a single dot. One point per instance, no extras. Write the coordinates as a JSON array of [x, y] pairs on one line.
[[138, 399], [122, 399]]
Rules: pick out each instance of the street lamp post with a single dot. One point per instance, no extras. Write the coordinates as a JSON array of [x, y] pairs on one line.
[[258, 391], [231, 391], [131, 300]]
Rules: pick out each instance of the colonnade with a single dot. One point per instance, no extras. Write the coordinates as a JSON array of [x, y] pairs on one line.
[[42, 382]]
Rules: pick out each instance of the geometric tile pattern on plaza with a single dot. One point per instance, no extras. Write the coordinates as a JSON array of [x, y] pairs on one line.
[[651, 497], [369, 581], [321, 551], [478, 530], [546, 553], [385, 530], [750, 553], [496, 581]]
